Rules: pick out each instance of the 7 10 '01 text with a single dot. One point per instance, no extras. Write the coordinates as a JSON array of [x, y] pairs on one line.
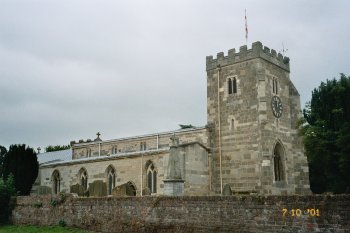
[[299, 212]]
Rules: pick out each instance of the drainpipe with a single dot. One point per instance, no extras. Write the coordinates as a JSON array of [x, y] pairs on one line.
[[141, 174], [219, 120]]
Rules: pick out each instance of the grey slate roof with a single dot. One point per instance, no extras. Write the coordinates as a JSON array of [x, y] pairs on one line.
[[55, 156]]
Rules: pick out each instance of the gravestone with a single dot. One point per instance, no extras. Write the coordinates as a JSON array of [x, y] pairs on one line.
[[43, 190], [78, 189], [124, 190], [227, 190], [146, 192], [98, 188]]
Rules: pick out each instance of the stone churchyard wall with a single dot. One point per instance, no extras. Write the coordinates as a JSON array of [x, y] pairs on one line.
[[239, 213]]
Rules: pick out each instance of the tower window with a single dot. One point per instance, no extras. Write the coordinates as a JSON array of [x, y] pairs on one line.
[[229, 84], [274, 86], [232, 85]]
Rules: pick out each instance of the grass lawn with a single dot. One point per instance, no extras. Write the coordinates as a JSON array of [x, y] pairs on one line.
[[36, 229]]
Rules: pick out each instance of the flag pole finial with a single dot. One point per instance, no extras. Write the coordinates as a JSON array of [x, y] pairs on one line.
[[246, 27]]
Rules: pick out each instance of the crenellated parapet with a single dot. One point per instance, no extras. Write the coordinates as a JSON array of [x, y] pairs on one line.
[[244, 54]]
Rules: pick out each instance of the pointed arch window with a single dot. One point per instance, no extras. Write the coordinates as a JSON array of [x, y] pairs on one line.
[[83, 177], [110, 179], [56, 182], [278, 163], [152, 178]]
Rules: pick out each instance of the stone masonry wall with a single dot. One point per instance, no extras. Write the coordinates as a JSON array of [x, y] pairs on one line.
[[312, 213]]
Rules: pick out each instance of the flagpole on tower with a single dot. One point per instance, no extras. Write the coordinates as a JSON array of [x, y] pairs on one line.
[[246, 27]]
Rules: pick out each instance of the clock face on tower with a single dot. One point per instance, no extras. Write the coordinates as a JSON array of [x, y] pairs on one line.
[[277, 107]]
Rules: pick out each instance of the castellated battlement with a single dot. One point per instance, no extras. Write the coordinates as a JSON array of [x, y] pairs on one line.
[[244, 54]]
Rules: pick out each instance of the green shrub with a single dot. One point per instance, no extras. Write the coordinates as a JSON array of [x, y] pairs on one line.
[[58, 200], [38, 205], [7, 189], [62, 223]]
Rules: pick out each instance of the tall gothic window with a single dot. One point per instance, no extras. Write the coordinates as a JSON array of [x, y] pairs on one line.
[[152, 178], [56, 182], [278, 162], [110, 179], [83, 176], [274, 86]]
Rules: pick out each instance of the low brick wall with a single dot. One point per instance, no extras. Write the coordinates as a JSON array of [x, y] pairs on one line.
[[313, 213]]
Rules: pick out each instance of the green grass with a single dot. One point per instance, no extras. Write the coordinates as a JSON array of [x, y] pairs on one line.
[[37, 229]]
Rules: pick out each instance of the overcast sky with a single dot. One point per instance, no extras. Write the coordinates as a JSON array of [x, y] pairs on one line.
[[69, 69]]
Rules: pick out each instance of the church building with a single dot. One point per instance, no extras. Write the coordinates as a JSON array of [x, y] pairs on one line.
[[249, 145]]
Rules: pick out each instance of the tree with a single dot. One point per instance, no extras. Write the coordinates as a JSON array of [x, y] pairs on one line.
[[56, 148], [21, 161], [326, 133], [186, 126], [7, 190], [3, 151]]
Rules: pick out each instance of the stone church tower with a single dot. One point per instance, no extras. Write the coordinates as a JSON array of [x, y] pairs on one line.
[[253, 110]]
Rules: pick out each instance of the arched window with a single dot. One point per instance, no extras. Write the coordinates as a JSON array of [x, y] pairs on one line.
[[143, 146], [88, 152], [234, 85], [229, 84], [83, 177], [274, 86], [151, 178], [110, 179], [56, 182], [278, 155], [114, 150]]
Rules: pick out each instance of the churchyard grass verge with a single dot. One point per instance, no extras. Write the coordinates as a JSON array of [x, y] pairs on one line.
[[41, 229]]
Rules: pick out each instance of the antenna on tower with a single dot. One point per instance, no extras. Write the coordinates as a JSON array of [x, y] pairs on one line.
[[246, 26], [284, 50]]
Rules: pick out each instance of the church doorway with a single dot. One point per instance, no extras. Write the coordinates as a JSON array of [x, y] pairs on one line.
[[278, 157], [56, 182]]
